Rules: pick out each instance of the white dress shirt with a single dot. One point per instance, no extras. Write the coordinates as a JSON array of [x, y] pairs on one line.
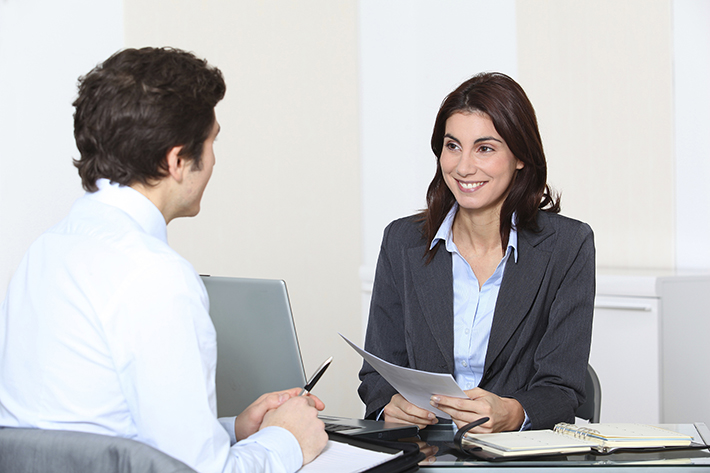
[[106, 329]]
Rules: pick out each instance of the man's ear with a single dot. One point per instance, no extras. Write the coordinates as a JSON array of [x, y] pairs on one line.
[[176, 163]]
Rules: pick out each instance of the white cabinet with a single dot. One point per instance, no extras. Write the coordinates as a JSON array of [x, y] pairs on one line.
[[649, 342], [625, 355]]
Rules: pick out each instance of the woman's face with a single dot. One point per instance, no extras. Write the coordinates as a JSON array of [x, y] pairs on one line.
[[476, 163]]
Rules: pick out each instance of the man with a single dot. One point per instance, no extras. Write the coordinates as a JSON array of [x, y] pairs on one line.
[[104, 327]]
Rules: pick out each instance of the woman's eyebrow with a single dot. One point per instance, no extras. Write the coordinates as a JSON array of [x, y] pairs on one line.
[[487, 138]]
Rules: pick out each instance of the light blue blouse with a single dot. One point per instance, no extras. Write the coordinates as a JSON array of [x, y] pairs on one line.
[[473, 307]]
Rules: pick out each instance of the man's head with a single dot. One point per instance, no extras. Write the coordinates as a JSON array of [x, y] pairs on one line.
[[136, 107]]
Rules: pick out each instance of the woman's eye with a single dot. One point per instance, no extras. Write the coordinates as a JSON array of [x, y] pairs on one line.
[[451, 146], [485, 149]]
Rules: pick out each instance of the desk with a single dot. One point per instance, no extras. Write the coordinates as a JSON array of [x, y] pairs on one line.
[[679, 460]]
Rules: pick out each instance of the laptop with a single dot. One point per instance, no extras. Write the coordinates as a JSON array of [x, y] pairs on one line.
[[258, 351]]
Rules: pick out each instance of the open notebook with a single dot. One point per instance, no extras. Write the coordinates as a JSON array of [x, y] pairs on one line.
[[569, 438], [258, 351]]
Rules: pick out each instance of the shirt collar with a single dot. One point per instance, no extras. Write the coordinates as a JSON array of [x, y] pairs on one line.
[[446, 235], [135, 204]]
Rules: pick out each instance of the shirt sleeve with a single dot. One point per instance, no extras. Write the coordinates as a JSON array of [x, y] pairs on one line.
[[228, 426], [164, 346], [526, 423], [272, 448]]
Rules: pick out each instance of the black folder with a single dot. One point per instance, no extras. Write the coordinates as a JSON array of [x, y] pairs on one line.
[[405, 463]]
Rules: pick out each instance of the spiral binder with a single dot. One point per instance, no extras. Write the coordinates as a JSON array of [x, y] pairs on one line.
[[582, 433], [569, 438]]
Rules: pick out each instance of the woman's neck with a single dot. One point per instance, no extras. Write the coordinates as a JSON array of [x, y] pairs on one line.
[[477, 233]]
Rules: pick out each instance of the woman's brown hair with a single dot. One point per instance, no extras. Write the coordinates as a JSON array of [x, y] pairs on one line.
[[506, 104]]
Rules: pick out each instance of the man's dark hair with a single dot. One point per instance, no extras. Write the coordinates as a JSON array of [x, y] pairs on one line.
[[136, 106]]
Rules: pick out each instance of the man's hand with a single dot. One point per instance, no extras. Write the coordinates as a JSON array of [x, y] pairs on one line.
[[299, 415], [402, 411], [504, 413], [249, 421]]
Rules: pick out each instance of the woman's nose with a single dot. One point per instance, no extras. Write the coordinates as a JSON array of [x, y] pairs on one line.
[[466, 166]]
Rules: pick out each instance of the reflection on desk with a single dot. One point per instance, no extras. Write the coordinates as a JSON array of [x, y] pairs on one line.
[[437, 438]]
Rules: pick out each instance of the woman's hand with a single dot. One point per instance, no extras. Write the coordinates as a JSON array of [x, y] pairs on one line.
[[504, 413], [402, 411]]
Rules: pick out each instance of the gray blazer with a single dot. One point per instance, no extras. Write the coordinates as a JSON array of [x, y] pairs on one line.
[[539, 344]]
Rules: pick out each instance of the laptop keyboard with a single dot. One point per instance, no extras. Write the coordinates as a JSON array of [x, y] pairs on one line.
[[331, 427]]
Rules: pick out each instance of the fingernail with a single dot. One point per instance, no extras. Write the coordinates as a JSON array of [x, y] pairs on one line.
[[435, 398], [431, 416], [283, 397]]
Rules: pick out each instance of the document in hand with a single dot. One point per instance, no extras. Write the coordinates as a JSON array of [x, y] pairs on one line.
[[415, 386], [569, 438]]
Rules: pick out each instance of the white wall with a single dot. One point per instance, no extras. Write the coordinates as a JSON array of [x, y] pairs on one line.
[[412, 54], [284, 199], [691, 93], [45, 45], [600, 76], [620, 89]]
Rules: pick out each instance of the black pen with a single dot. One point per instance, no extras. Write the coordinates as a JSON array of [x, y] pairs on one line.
[[316, 376]]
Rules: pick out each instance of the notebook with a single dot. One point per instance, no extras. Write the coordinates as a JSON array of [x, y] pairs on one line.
[[569, 438], [258, 351]]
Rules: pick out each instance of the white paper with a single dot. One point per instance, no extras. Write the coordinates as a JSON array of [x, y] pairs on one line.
[[346, 458], [415, 386]]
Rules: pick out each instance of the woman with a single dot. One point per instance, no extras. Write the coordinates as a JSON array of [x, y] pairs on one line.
[[489, 283]]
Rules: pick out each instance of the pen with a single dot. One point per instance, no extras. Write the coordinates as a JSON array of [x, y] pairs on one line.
[[316, 376]]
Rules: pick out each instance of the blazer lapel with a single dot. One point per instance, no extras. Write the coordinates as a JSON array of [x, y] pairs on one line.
[[434, 287], [521, 282]]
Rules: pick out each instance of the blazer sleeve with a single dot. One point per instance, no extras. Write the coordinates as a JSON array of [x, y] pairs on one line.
[[557, 386], [385, 335]]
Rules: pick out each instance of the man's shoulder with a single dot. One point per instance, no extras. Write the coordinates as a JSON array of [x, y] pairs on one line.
[[110, 228], [109, 238]]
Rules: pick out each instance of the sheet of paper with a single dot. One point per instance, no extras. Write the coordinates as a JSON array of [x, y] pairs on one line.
[[415, 386], [346, 458]]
